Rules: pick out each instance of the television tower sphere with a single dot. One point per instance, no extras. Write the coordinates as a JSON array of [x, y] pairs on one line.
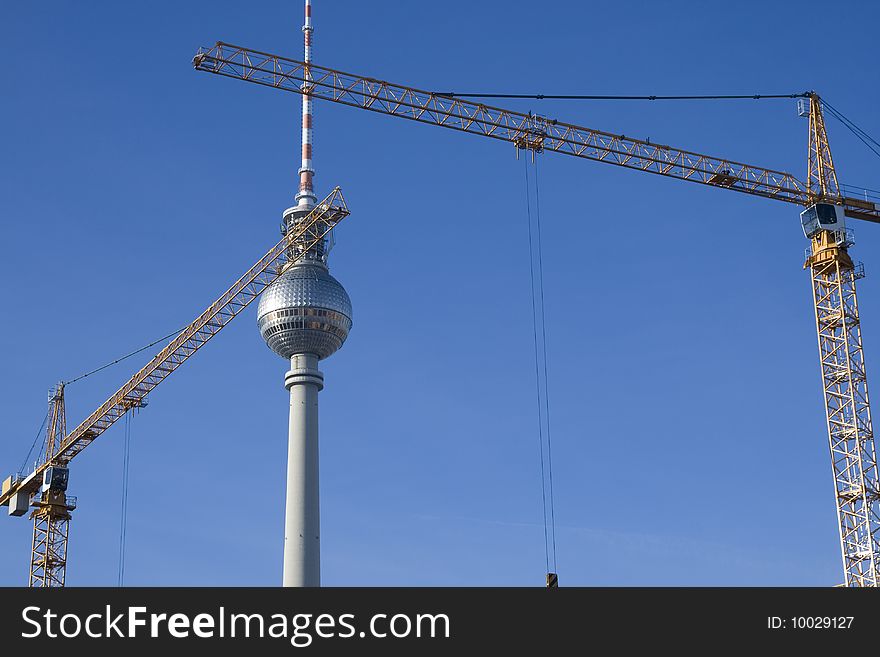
[[304, 311]]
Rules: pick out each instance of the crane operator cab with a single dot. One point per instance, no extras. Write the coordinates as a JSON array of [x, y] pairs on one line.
[[824, 216], [55, 478]]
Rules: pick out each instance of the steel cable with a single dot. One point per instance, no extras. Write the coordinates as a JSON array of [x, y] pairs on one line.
[[122, 358], [123, 521], [544, 342], [34, 444], [537, 368], [593, 97]]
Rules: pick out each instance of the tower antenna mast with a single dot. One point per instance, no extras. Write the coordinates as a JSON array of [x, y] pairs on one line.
[[305, 197]]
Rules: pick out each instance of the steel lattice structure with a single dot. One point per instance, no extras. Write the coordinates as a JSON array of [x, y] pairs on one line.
[[844, 379], [49, 547], [845, 387], [525, 131]]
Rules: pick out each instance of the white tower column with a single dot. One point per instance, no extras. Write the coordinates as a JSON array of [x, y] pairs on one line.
[[304, 315], [302, 525]]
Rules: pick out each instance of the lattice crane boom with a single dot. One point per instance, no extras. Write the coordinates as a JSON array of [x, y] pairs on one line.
[[526, 131], [41, 489]]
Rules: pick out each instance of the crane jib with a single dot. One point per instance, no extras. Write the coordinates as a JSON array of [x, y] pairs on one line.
[[527, 131]]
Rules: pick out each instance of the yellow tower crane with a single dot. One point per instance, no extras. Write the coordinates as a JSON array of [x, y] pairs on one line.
[[833, 272], [45, 489]]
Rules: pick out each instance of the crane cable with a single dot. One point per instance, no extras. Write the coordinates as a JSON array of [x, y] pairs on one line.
[[593, 97], [122, 358], [544, 342], [123, 521], [541, 373], [872, 144], [34, 444]]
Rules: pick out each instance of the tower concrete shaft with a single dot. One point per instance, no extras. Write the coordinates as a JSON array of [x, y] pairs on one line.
[[302, 522]]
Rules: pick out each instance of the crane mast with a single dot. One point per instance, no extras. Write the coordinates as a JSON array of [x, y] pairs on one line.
[[833, 272], [52, 506], [844, 380]]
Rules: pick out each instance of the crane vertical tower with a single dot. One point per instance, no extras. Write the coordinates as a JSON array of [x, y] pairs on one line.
[[52, 506], [304, 316], [844, 381]]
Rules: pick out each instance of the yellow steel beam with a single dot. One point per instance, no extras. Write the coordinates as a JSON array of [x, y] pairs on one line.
[[526, 131]]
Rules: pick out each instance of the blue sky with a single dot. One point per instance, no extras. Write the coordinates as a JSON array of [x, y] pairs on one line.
[[688, 427]]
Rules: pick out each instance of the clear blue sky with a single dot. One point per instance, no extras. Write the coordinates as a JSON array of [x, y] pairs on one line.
[[688, 427]]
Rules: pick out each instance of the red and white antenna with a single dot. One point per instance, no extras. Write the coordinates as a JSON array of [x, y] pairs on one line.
[[306, 198]]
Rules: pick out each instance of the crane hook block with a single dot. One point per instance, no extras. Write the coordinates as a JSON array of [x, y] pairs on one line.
[[552, 581]]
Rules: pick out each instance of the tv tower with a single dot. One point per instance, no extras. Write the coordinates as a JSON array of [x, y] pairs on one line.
[[304, 316]]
